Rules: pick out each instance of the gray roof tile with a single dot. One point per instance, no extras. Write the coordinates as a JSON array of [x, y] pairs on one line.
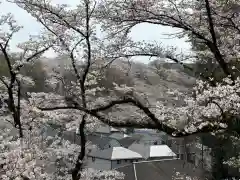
[[160, 170], [128, 141]]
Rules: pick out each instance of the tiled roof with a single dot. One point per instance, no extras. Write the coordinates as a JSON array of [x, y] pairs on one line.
[[115, 153], [106, 129], [161, 150], [101, 142], [118, 136], [112, 129], [152, 151], [148, 137], [103, 129], [159, 170], [128, 141]]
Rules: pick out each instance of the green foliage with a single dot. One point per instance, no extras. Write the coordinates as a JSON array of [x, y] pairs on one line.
[[4, 71], [34, 70]]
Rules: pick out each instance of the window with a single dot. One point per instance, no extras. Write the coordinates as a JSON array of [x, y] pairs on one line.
[[181, 156], [191, 157], [93, 159], [118, 161], [169, 143]]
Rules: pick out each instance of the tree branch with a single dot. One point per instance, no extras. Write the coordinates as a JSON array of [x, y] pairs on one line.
[[6, 85], [78, 165], [168, 57], [8, 39], [152, 123], [213, 46], [171, 21], [18, 110], [7, 58], [61, 18], [35, 55]]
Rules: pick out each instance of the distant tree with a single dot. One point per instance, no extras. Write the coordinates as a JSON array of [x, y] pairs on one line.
[[73, 32], [36, 71], [130, 130], [211, 26]]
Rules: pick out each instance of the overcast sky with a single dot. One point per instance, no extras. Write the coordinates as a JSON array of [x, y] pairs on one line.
[[140, 32]]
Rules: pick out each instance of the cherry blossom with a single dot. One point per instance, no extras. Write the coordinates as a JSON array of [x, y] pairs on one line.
[[84, 103]]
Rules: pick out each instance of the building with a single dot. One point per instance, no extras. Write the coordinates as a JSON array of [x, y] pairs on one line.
[[140, 131], [203, 157], [153, 152], [185, 148], [150, 139], [106, 130], [118, 135], [128, 141], [142, 137], [161, 170], [103, 142], [112, 158]]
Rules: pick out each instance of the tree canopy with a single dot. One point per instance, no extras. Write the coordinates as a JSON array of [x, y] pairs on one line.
[[91, 91]]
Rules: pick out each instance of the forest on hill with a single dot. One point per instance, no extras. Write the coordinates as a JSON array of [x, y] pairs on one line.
[[94, 80]]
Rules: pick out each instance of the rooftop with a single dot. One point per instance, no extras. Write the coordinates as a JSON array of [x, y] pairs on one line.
[[150, 137], [128, 141], [105, 129], [115, 153], [118, 136], [152, 151], [161, 150], [99, 141], [162, 169]]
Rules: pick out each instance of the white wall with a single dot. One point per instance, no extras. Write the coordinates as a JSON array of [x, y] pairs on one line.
[[99, 164], [102, 164]]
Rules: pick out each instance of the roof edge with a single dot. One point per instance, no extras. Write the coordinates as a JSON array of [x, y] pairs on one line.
[[156, 160]]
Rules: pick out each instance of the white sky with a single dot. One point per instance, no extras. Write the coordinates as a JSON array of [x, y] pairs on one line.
[[141, 32]]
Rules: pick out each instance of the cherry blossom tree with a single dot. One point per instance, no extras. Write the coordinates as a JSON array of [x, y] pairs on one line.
[[133, 13], [31, 154], [69, 36], [29, 51], [16, 152], [213, 25], [213, 106]]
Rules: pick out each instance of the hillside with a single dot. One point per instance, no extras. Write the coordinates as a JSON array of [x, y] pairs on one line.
[[146, 78]]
